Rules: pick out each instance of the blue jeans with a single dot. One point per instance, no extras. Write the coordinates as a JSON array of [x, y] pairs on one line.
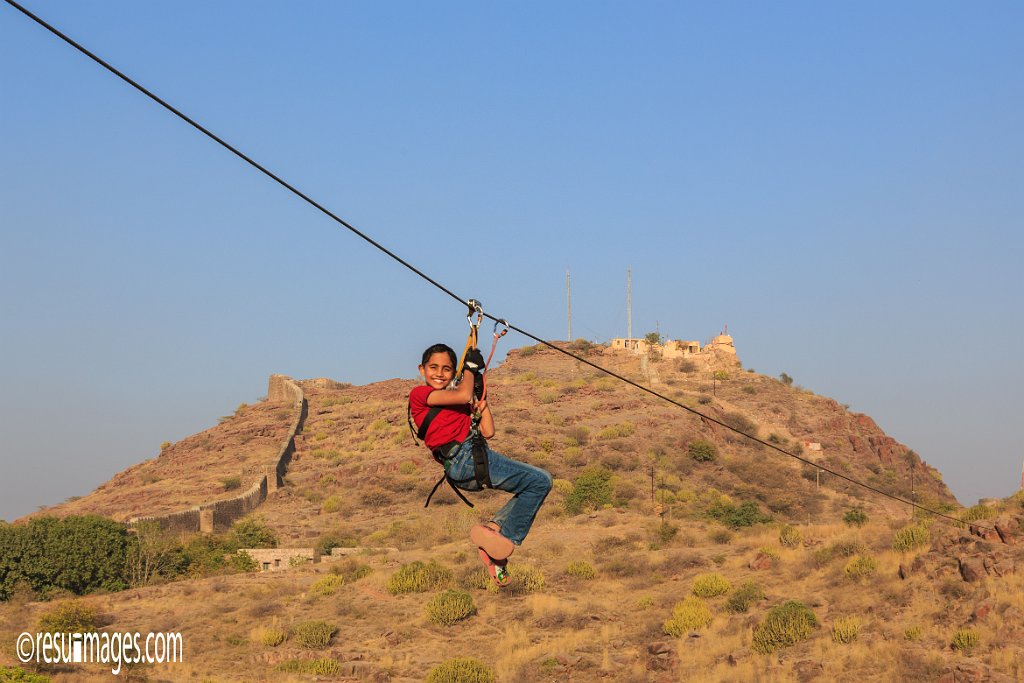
[[528, 484]]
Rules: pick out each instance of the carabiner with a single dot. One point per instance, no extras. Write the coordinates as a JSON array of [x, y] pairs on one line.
[[499, 335], [477, 308]]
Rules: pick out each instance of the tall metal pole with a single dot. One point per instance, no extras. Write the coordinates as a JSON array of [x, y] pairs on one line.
[[568, 300], [629, 303]]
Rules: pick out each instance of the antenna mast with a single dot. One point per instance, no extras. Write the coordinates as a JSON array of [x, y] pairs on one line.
[[568, 301], [629, 305]]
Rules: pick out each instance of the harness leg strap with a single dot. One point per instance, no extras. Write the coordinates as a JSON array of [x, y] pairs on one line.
[[480, 469], [451, 483]]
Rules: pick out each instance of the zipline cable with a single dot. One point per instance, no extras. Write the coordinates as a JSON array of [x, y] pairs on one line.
[[116, 72]]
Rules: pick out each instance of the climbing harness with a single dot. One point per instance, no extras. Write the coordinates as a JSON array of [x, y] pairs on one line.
[[445, 454]]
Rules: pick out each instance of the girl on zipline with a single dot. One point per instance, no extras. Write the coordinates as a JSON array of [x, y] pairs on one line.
[[455, 426]]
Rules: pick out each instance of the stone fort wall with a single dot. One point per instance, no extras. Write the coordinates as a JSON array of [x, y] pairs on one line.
[[219, 515]]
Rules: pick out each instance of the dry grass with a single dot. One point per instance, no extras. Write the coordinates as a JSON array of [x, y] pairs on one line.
[[606, 622]]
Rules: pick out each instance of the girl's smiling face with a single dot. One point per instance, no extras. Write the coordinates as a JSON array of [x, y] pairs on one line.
[[438, 371]]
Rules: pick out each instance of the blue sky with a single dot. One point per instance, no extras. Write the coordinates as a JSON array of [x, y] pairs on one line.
[[840, 184]]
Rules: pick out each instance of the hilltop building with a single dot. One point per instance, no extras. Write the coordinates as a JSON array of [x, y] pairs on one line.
[[678, 348]]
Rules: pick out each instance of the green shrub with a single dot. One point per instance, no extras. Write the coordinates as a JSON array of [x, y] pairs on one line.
[[15, 674], [562, 486], [78, 554], [860, 567], [313, 635], [846, 548], [461, 670], [911, 537], [69, 616], [272, 636], [786, 624], [581, 569], [231, 483], [418, 577], [578, 435], [206, 555], [450, 607], [976, 512], [702, 451], [316, 667], [710, 586], [740, 422], [351, 569], [721, 536], [735, 517], [525, 579], [855, 517], [574, 457], [665, 532], [617, 431], [251, 532], [327, 585], [332, 540], [686, 365], [688, 615], [743, 597], [591, 490], [845, 629], [331, 505], [790, 536], [913, 633], [965, 639]]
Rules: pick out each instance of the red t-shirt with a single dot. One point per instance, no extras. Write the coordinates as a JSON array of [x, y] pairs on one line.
[[451, 424]]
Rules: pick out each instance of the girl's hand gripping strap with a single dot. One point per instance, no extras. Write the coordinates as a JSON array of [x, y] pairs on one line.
[[475, 307]]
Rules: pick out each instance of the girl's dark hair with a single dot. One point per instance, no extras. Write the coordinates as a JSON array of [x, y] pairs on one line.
[[439, 348]]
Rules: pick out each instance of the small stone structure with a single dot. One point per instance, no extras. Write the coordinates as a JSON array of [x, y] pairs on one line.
[[276, 559], [221, 514], [722, 342]]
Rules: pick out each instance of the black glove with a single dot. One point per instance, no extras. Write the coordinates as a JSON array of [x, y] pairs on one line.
[[478, 386], [475, 362]]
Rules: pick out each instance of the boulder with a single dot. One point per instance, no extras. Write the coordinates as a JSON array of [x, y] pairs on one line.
[[1006, 533], [761, 562], [972, 569], [981, 611]]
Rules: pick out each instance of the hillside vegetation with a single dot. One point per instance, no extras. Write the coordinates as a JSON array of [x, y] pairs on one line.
[[669, 549]]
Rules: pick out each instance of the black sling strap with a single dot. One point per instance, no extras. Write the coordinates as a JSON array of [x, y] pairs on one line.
[[422, 432], [431, 414]]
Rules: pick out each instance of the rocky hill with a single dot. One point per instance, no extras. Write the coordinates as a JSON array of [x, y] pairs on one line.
[[594, 591]]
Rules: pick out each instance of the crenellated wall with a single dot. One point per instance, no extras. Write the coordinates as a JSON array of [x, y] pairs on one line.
[[219, 515]]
